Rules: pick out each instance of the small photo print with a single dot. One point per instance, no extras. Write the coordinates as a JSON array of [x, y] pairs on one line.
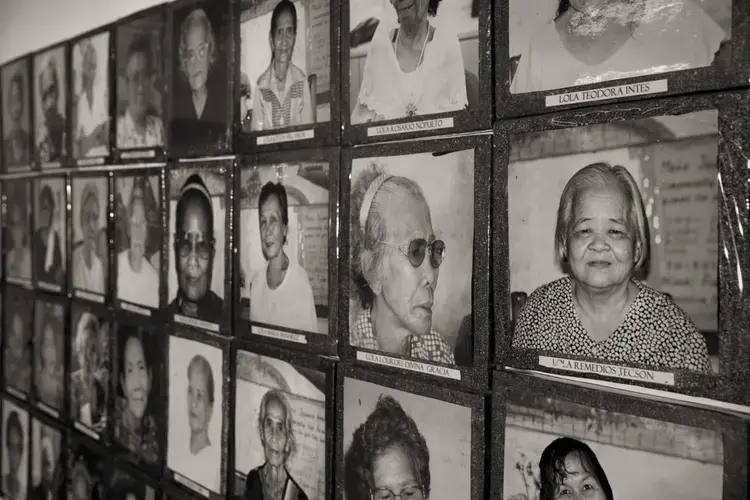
[[50, 231], [90, 242], [555, 448], [47, 466], [285, 63], [18, 230], [50, 105], [91, 120], [625, 229], [412, 59], [140, 393], [15, 451], [85, 474], [399, 443], [49, 354], [197, 223], [195, 416], [16, 105], [554, 46], [412, 222], [284, 237], [17, 341], [89, 368], [122, 485], [280, 440], [138, 239]]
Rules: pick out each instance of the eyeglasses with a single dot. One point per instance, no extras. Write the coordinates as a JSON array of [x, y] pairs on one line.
[[202, 248], [416, 249], [199, 53], [410, 493]]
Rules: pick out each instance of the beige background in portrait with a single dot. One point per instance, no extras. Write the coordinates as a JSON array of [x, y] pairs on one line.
[[448, 185], [38, 431], [446, 428], [78, 185], [123, 187], [101, 80], [57, 184], [23, 470], [40, 64], [20, 67]]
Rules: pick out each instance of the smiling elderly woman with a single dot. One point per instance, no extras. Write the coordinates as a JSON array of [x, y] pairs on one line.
[[395, 267], [599, 310]]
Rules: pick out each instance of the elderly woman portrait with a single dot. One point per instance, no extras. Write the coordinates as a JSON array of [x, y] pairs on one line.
[[14, 454], [50, 140], [17, 349], [91, 117], [88, 390], [280, 292], [592, 41], [395, 263], [599, 309], [282, 95], [18, 254], [50, 355], [411, 69], [47, 245], [88, 265], [17, 141], [568, 468]]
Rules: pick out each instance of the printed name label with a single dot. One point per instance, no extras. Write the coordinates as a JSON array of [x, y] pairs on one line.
[[85, 162], [126, 306], [407, 364], [400, 128], [298, 135], [15, 392], [90, 433], [48, 409], [617, 371], [93, 297], [19, 281], [634, 89], [51, 164], [277, 334], [49, 287], [132, 155], [191, 484], [206, 325]]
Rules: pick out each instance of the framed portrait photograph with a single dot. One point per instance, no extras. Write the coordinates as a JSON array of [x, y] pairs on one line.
[[559, 54], [197, 412], [138, 240], [396, 436], [15, 451], [199, 256], [47, 461], [413, 69], [50, 93], [288, 73], [89, 247], [86, 468], [139, 391], [556, 440], [91, 97], [202, 87], [48, 347], [16, 107], [89, 368], [124, 483], [140, 85], [49, 248], [283, 424], [414, 265], [287, 243], [622, 278], [17, 242], [17, 332]]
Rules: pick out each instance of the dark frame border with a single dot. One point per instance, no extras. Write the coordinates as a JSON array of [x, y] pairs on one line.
[[74, 443], [475, 377], [58, 414], [18, 295], [56, 288], [27, 60], [45, 420], [113, 463], [511, 388], [9, 180], [734, 316], [21, 405], [315, 342]]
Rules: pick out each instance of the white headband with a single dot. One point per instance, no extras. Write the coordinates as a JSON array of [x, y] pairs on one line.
[[369, 197]]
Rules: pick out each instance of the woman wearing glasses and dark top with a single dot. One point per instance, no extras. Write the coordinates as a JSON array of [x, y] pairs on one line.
[[395, 267], [194, 246], [388, 457]]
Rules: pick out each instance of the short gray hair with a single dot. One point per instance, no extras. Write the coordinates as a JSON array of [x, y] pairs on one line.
[[198, 16], [279, 397]]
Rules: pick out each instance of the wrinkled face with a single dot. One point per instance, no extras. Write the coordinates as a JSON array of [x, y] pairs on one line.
[[275, 433], [410, 12], [138, 228], [579, 484], [199, 405], [90, 218], [392, 471], [15, 102], [283, 37], [15, 450], [50, 94], [193, 269], [136, 381], [272, 228], [196, 57], [49, 348], [601, 251], [138, 77]]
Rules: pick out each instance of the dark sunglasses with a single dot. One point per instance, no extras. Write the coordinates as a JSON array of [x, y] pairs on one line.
[[415, 251], [203, 248]]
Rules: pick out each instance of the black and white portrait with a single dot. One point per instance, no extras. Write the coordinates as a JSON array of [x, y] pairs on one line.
[[15, 451], [200, 115], [140, 393], [284, 245], [140, 80], [85, 474], [138, 239], [89, 369], [49, 354], [90, 243], [49, 233], [47, 467], [50, 86], [622, 262], [565, 43], [91, 121], [412, 222], [18, 231], [280, 430], [122, 485], [16, 107], [195, 418], [197, 215], [399, 443], [17, 340], [284, 63], [412, 57]]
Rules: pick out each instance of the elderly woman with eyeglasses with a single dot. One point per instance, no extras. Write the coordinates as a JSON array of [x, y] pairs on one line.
[[395, 267]]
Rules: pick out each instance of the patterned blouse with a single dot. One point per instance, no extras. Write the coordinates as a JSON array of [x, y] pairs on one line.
[[655, 331], [430, 347], [275, 108], [143, 442]]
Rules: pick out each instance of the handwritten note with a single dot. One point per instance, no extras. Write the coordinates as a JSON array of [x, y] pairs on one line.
[[319, 43], [313, 229]]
